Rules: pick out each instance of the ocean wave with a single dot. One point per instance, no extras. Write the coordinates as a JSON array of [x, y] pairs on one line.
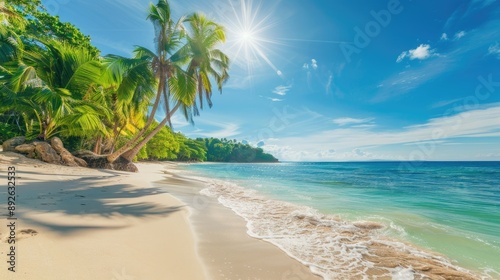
[[330, 246]]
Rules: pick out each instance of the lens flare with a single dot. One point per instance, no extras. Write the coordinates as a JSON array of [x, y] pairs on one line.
[[246, 26]]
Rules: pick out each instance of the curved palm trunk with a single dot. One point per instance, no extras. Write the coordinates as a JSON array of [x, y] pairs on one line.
[[130, 155], [115, 155]]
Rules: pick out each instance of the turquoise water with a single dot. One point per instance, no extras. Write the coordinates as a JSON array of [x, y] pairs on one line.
[[452, 208]]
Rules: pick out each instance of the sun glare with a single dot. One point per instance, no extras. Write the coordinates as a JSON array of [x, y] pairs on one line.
[[246, 37], [246, 26]]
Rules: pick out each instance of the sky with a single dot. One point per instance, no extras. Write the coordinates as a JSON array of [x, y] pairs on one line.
[[331, 80]]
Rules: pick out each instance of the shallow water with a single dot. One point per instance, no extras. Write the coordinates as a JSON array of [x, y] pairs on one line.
[[343, 219]]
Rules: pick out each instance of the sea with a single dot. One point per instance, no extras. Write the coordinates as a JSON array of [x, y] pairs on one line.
[[349, 220]]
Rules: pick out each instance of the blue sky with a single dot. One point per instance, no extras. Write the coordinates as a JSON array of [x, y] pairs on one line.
[[337, 80]]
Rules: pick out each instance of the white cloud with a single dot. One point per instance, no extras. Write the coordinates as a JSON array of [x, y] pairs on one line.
[[421, 52], [459, 35], [275, 99], [225, 130], [314, 64], [348, 121], [282, 90], [494, 50], [444, 37], [427, 139], [476, 41]]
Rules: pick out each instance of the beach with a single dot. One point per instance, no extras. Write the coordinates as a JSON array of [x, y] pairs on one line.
[[81, 223]]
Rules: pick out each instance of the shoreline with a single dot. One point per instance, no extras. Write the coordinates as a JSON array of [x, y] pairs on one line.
[[156, 223], [81, 223], [383, 256]]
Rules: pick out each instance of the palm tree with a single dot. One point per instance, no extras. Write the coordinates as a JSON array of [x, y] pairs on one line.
[[10, 42], [168, 37], [52, 90], [206, 61], [129, 87]]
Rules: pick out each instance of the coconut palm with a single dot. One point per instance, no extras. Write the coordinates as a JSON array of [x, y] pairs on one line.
[[10, 42], [129, 87], [52, 90], [206, 61], [168, 37]]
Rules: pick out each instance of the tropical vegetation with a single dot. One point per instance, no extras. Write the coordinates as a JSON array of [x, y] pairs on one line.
[[53, 82]]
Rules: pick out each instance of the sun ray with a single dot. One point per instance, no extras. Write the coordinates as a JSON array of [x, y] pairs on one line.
[[247, 26]]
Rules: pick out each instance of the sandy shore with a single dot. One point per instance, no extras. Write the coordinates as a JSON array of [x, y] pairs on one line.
[[79, 223]]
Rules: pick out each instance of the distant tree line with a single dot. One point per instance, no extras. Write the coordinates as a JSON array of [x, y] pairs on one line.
[[167, 145]]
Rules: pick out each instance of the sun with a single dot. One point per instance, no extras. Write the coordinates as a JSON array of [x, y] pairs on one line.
[[246, 37], [247, 26]]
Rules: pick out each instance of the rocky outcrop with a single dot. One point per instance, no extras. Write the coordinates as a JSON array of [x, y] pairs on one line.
[[66, 157], [26, 149], [55, 153], [101, 161], [11, 144], [46, 153]]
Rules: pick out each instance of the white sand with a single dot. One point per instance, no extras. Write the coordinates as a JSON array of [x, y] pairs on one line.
[[93, 224], [80, 223]]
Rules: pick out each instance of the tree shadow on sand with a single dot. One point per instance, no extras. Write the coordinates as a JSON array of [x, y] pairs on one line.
[[83, 197]]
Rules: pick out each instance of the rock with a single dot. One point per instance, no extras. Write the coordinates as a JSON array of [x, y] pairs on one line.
[[11, 144], [27, 149], [101, 161], [66, 157], [46, 153], [93, 160], [80, 162], [124, 165]]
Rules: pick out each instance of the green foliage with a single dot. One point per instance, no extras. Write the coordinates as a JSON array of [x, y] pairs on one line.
[[7, 131], [167, 145], [39, 25], [223, 150]]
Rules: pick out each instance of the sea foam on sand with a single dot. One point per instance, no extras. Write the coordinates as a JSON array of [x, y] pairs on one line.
[[329, 246]]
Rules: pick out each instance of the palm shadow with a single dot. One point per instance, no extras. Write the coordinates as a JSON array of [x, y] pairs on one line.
[[80, 198]]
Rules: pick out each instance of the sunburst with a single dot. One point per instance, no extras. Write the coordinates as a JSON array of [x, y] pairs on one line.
[[247, 26]]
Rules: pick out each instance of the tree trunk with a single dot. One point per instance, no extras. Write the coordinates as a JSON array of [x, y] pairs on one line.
[[115, 155], [97, 146], [130, 155]]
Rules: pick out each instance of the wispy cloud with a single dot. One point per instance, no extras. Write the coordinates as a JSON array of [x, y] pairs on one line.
[[218, 129], [444, 37], [421, 52], [444, 103], [349, 121], [470, 46], [459, 35], [328, 87], [282, 90], [483, 122], [494, 50], [275, 99]]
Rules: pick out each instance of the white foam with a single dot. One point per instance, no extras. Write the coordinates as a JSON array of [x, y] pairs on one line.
[[331, 247], [401, 273]]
